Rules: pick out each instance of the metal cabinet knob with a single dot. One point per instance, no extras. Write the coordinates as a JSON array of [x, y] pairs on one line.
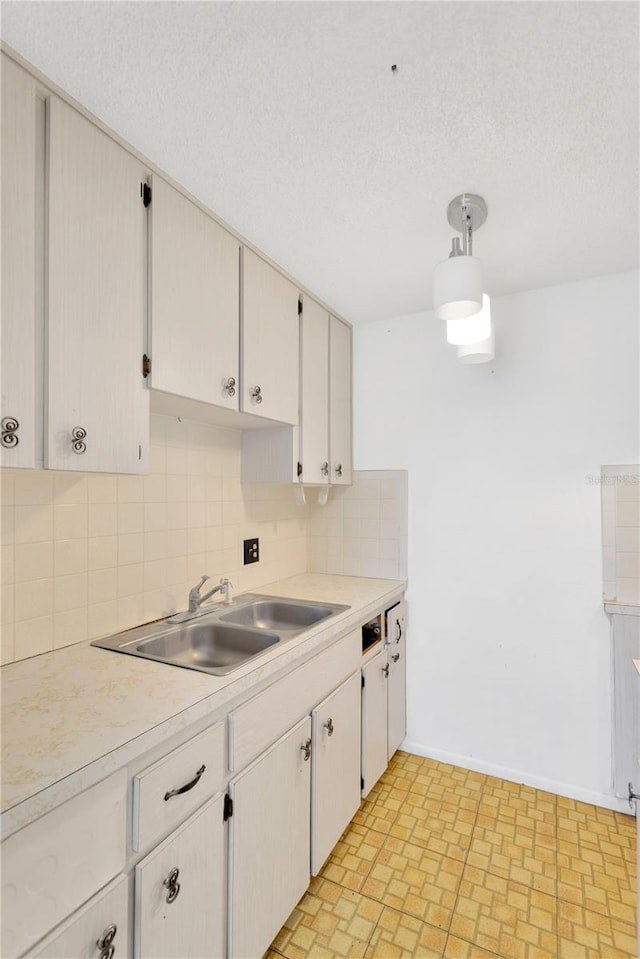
[[78, 435], [339, 469], [256, 394], [172, 885], [395, 657], [229, 386], [329, 726], [105, 942], [324, 469], [306, 749], [385, 670], [9, 437]]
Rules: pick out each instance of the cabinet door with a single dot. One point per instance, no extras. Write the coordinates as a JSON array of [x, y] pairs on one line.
[[314, 393], [195, 301], [23, 128], [397, 687], [96, 300], [102, 920], [179, 891], [374, 720], [270, 359], [340, 402], [269, 842], [335, 768]]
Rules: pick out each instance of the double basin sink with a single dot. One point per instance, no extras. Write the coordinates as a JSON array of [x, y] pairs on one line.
[[218, 640]]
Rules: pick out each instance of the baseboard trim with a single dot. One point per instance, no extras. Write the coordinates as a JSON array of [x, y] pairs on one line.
[[606, 800]]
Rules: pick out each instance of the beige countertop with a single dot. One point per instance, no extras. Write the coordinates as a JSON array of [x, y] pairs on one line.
[[72, 716]]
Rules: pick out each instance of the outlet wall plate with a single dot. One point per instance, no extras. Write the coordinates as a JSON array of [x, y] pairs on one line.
[[251, 551]]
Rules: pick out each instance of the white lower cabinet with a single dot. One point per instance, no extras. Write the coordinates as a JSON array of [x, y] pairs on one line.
[[374, 719], [180, 891], [100, 926], [269, 842], [335, 768]]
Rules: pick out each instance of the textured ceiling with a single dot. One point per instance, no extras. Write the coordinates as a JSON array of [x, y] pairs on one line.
[[287, 120]]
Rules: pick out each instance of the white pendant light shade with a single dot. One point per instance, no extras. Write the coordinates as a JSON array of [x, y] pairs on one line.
[[472, 329], [457, 288], [482, 352]]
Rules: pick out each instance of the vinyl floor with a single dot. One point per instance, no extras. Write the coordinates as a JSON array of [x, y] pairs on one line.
[[443, 863]]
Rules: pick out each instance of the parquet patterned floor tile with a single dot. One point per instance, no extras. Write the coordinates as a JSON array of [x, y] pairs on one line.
[[443, 863], [415, 881], [328, 922], [516, 853], [398, 936], [352, 858], [590, 935], [505, 918]]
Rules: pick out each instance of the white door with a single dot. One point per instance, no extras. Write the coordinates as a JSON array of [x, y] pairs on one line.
[[314, 393], [195, 301], [340, 402], [397, 687], [269, 336], [269, 842], [180, 891], [374, 720], [335, 769], [98, 407], [100, 925], [23, 133]]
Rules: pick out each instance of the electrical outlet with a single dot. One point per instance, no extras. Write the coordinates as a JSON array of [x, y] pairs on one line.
[[251, 551]]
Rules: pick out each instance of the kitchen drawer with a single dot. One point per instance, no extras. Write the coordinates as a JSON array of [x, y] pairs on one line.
[[58, 862], [165, 793], [266, 717], [105, 918]]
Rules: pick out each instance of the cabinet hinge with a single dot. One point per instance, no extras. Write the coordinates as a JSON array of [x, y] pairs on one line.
[[145, 193], [299, 307], [146, 365], [228, 807], [299, 469]]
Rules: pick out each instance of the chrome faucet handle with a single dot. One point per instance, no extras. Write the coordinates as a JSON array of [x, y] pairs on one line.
[[196, 589]]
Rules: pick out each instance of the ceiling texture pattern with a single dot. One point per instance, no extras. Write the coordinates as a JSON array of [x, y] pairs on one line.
[[287, 120]]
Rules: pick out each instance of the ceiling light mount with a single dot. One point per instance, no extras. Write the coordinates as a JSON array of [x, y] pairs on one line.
[[466, 213]]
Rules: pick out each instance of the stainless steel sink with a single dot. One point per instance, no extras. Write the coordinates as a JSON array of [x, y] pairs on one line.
[[279, 614], [218, 640], [211, 646]]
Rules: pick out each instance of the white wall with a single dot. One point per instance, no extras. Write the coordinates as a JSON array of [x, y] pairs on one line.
[[509, 656]]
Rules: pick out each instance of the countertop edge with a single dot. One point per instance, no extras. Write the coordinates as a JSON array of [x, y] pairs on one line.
[[622, 609]]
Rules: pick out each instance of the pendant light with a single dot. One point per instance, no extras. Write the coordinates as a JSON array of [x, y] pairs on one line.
[[482, 352], [472, 329], [457, 281]]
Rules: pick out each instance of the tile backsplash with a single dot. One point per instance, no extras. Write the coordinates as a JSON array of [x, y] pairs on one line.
[[621, 534], [84, 554], [362, 530]]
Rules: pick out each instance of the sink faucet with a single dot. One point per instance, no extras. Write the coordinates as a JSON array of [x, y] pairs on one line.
[[196, 600]]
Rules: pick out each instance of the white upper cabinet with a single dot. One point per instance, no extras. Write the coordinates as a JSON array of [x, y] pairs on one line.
[[22, 207], [314, 393], [195, 301], [269, 336], [340, 402], [97, 404]]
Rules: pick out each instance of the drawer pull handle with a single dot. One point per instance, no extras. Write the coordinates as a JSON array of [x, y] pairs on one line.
[[187, 786], [306, 749], [329, 726], [105, 942], [385, 670], [395, 657], [399, 636], [172, 885]]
